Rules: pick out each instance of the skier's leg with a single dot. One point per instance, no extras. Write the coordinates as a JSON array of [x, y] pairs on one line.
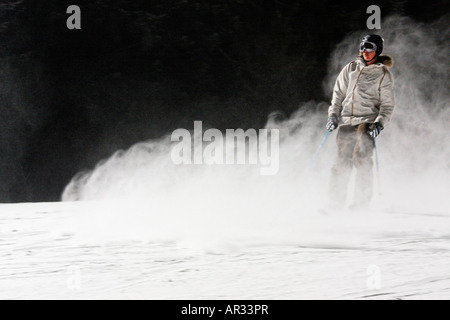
[[343, 164], [363, 158]]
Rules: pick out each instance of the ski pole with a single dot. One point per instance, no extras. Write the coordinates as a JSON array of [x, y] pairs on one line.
[[377, 164], [313, 160]]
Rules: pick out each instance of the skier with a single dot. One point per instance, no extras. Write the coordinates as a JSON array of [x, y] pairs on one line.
[[362, 104]]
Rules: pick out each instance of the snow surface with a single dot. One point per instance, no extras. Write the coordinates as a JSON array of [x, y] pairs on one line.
[[62, 251]]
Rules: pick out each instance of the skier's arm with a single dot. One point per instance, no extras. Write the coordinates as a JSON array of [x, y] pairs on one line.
[[387, 99], [339, 92]]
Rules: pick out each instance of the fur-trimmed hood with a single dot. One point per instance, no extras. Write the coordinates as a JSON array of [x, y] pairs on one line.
[[386, 60], [383, 59]]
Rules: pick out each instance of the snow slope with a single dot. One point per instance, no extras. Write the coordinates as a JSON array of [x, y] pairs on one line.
[[58, 251]]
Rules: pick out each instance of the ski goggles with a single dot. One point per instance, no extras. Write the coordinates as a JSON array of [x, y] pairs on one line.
[[368, 46]]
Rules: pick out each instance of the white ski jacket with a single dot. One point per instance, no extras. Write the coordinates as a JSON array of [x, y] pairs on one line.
[[364, 93]]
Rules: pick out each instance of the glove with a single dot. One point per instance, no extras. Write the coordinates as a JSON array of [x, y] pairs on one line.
[[374, 129], [332, 123]]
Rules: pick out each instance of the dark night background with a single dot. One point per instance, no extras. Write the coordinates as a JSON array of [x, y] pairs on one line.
[[140, 69]]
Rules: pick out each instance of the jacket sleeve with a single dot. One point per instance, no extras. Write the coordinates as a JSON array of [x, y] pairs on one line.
[[339, 92], [387, 99]]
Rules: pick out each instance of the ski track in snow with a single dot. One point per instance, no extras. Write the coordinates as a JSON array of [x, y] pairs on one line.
[[37, 264]]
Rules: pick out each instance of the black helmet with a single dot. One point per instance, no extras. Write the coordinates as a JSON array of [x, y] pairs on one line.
[[370, 39]]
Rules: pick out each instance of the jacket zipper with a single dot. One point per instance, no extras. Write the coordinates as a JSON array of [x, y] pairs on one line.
[[353, 95]]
